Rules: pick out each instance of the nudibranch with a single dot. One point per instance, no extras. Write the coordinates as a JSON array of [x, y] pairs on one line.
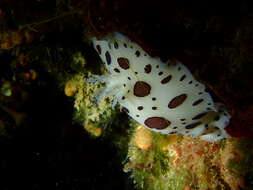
[[163, 96]]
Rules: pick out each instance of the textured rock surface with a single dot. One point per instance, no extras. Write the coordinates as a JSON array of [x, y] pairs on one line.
[[177, 162]]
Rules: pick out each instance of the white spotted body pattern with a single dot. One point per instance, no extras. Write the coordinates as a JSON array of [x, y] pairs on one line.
[[164, 97]]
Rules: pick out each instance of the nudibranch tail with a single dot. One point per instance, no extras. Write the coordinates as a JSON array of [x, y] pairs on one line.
[[164, 97]]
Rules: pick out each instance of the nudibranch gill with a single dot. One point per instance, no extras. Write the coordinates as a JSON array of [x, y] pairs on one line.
[[163, 96]]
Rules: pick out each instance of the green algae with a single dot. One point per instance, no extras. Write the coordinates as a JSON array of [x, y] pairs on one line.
[[157, 168]]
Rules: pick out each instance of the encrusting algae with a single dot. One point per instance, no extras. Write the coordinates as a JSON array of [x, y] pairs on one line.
[[181, 162], [92, 116]]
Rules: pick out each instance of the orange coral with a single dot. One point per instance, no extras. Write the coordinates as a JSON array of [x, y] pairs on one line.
[[143, 138]]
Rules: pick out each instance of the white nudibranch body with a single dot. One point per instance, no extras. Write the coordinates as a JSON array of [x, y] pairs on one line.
[[163, 96]]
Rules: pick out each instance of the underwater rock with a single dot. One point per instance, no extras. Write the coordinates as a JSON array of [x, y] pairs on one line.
[[93, 117], [181, 162]]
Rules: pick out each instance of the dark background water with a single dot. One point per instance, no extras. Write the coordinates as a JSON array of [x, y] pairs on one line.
[[49, 152]]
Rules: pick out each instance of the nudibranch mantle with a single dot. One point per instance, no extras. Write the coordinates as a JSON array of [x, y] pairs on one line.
[[163, 96]]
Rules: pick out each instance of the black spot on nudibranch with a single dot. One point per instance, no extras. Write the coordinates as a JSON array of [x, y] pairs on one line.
[[177, 101], [183, 77], [140, 108], [116, 46], [157, 122], [137, 53], [166, 79], [154, 99], [125, 45], [141, 89], [198, 102], [116, 70], [193, 125], [217, 118], [123, 63], [108, 58], [148, 68], [160, 73], [124, 109], [154, 108], [98, 47], [199, 116]]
